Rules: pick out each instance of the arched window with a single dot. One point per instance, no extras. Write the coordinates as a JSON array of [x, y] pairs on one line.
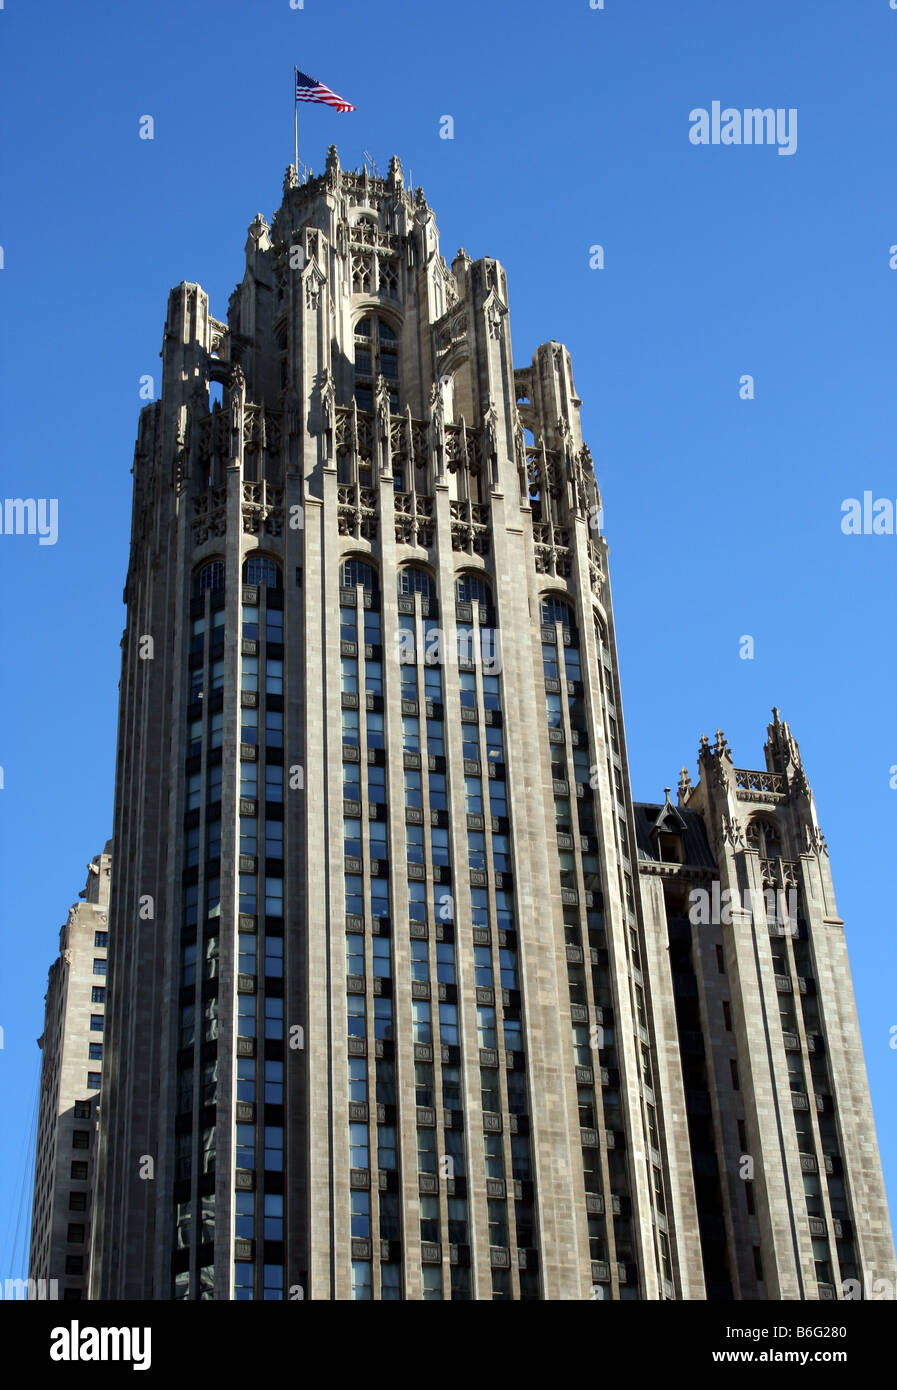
[[557, 610], [356, 571], [259, 569], [472, 588], [376, 352], [415, 581], [209, 576], [764, 837]]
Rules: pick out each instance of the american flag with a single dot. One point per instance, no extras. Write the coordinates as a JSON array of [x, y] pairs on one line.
[[310, 89]]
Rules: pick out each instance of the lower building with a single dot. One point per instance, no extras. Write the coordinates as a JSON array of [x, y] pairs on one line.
[[71, 1068], [751, 964]]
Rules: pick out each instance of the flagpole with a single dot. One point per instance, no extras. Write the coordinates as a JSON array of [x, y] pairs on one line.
[[295, 122]]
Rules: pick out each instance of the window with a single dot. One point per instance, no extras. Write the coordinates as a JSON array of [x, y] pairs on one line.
[[273, 676], [348, 624], [274, 625], [495, 1158], [350, 727], [81, 1139], [358, 1078], [78, 1170], [210, 576], [451, 1087], [250, 673], [420, 1015], [423, 1084], [362, 1287], [555, 610], [360, 1209], [426, 1151], [473, 791], [274, 1148], [440, 844], [437, 791], [482, 960], [274, 897], [494, 745], [412, 787], [354, 572], [99, 967], [273, 1016], [373, 677], [98, 994], [380, 951], [258, 569], [374, 729], [420, 966], [356, 1026], [550, 660], [82, 1109], [486, 1035], [77, 1201], [386, 1147], [358, 1146], [472, 588], [436, 738], [414, 844], [382, 1017], [101, 938], [448, 1023], [416, 581], [348, 675]]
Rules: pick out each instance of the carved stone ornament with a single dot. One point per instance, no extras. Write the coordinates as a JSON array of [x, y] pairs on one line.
[[494, 318], [733, 832]]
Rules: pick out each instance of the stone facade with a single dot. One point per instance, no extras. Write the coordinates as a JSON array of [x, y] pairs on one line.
[[385, 1019]]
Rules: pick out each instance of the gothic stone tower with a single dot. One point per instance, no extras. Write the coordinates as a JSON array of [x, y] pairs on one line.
[[380, 1019], [791, 1202]]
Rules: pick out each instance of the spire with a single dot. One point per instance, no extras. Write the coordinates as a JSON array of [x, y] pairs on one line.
[[782, 752]]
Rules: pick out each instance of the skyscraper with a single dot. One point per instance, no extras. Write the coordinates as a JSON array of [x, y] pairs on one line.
[[71, 1068], [387, 1019]]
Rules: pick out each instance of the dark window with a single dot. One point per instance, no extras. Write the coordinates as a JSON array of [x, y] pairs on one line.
[[210, 576], [75, 1234], [77, 1201], [98, 994], [79, 1169], [258, 569], [101, 938], [82, 1110], [81, 1139]]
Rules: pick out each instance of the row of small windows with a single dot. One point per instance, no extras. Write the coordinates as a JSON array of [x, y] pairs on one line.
[[258, 569], [469, 588]]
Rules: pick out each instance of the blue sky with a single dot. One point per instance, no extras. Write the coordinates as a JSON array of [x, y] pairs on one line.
[[570, 130]]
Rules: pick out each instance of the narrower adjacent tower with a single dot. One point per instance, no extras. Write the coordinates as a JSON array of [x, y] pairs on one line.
[[71, 1068], [379, 1022], [791, 1202]]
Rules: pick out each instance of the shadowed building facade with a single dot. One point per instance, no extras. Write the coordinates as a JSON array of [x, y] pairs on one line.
[[385, 1019]]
